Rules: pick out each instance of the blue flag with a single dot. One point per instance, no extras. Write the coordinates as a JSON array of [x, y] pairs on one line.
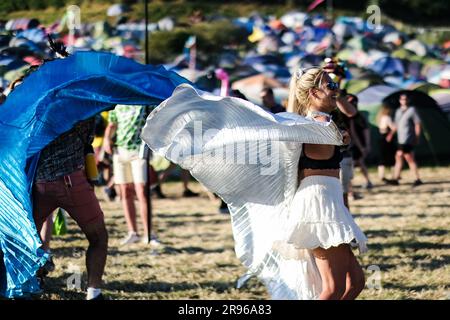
[[48, 103]]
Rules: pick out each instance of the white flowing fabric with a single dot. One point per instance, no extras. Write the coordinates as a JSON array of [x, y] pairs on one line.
[[248, 157]]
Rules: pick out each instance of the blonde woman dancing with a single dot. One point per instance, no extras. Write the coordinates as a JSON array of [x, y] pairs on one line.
[[279, 175]]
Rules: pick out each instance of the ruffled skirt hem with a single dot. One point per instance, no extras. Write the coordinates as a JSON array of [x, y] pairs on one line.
[[319, 217]]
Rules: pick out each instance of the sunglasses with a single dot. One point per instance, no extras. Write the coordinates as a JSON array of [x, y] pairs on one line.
[[331, 85]]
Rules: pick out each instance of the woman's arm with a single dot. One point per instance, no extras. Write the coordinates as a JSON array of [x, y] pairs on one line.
[[391, 133], [345, 107]]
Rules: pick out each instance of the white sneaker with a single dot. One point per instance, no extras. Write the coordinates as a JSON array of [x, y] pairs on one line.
[[131, 238], [154, 241]]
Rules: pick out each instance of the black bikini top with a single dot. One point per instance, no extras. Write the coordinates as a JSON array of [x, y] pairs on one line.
[[331, 163]]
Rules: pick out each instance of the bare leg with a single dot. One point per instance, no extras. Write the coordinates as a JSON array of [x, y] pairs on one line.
[[46, 232], [409, 157], [129, 209], [381, 170], [355, 279], [333, 265], [398, 164], [143, 204]]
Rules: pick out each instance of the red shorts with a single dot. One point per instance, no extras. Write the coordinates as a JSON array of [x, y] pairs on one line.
[[72, 193]]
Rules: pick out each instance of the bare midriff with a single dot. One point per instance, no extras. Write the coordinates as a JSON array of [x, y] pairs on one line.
[[319, 172]]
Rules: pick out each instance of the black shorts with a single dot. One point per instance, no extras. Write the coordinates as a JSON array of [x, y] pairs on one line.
[[406, 148]]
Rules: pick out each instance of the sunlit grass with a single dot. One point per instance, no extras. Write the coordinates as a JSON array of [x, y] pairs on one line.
[[408, 231]]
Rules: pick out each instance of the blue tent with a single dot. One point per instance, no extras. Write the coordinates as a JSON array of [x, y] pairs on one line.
[[35, 35], [388, 66]]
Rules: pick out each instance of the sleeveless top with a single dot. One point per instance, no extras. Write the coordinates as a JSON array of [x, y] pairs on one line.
[[331, 163]]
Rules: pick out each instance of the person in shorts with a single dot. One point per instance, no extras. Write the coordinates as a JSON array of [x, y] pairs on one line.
[[408, 129], [130, 170]]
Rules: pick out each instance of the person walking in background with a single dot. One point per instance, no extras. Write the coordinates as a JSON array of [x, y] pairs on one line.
[[103, 159], [130, 171], [386, 144], [408, 129], [342, 116], [360, 133]]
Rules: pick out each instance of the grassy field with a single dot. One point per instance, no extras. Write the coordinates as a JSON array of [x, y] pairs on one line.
[[408, 231]]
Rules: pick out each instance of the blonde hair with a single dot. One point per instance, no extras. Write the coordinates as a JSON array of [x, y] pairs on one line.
[[301, 83]]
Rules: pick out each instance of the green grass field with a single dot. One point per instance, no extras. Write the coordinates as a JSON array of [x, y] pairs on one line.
[[408, 231]]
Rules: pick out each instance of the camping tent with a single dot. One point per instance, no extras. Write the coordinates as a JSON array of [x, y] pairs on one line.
[[388, 66], [416, 46], [424, 86], [374, 95], [354, 86], [442, 97]]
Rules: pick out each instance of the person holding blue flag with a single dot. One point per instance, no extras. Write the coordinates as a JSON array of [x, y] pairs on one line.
[[61, 181], [44, 128]]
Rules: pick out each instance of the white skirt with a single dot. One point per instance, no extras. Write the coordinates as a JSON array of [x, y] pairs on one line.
[[320, 218]]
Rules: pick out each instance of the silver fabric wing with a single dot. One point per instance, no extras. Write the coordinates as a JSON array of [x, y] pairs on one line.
[[249, 157]]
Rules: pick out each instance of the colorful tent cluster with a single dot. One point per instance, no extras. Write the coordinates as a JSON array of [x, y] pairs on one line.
[[383, 55], [380, 64]]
